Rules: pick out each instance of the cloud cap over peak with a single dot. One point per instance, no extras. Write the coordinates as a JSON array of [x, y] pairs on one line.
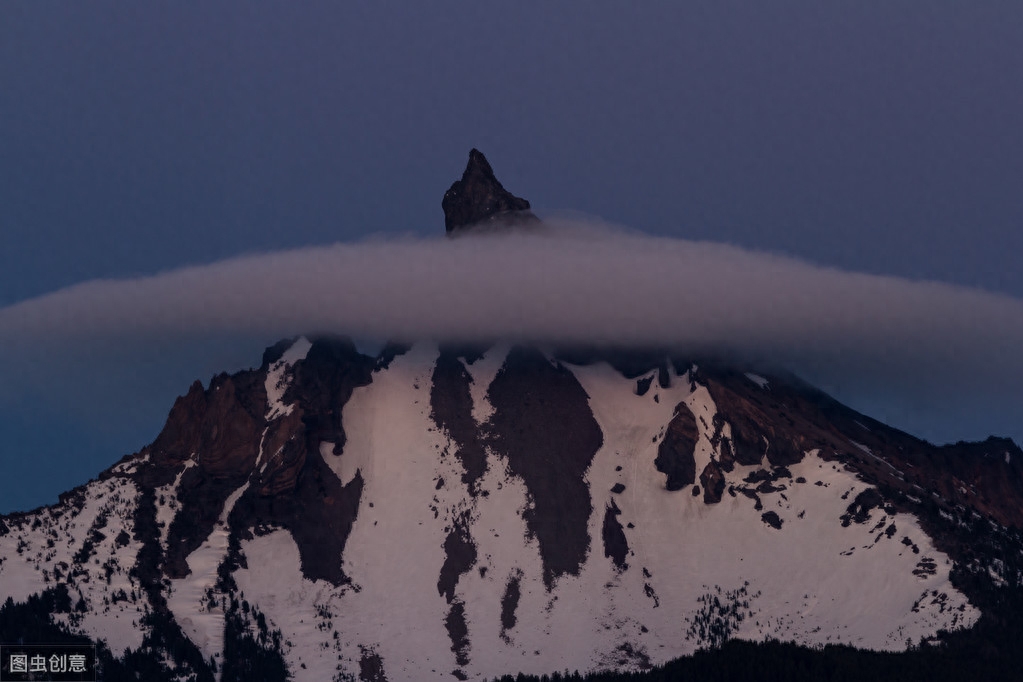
[[573, 283]]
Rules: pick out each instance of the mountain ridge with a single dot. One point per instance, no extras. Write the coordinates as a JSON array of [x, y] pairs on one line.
[[472, 510], [269, 450]]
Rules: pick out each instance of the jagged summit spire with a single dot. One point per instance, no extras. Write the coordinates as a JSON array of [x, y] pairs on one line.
[[478, 197]]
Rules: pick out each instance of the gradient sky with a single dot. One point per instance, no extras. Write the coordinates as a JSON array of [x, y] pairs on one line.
[[876, 137]]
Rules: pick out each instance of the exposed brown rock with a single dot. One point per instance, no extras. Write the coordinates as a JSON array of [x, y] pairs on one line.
[[223, 427], [217, 426], [284, 451], [793, 417], [230, 435], [179, 438]]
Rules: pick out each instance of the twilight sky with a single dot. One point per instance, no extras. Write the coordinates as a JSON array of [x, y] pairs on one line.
[[871, 137]]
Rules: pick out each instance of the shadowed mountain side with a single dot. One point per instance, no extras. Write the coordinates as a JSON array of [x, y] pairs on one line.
[[479, 198], [544, 427]]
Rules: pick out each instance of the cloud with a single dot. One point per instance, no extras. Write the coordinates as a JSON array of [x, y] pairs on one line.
[[573, 282]]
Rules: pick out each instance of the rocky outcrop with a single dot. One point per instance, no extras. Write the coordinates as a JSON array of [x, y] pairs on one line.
[[451, 410], [713, 481], [790, 418], [479, 198], [675, 454], [616, 545], [220, 429], [542, 425]]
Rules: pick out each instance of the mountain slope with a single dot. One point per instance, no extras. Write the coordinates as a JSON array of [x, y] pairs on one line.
[[470, 512]]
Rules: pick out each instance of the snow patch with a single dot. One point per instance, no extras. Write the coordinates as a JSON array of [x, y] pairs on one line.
[[862, 447], [189, 598], [278, 378], [757, 379], [167, 504], [815, 582], [83, 547], [483, 372]]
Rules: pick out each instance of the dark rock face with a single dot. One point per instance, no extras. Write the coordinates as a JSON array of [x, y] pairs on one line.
[[713, 481], [675, 454], [323, 383], [319, 513], [459, 557], [451, 410], [771, 519], [217, 425], [993, 468], [458, 633], [510, 602], [371, 667], [478, 198], [285, 447], [222, 428], [859, 510], [543, 426], [616, 547], [298, 491], [792, 417]]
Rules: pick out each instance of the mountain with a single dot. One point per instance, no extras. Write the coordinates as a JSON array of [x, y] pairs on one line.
[[480, 199], [442, 511], [463, 511]]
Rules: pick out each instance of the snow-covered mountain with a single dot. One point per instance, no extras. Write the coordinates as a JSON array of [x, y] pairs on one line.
[[458, 511], [441, 511]]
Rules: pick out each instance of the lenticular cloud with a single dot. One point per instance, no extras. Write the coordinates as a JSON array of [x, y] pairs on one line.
[[939, 360], [571, 282]]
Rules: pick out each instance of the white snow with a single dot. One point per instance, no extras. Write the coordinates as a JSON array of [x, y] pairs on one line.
[[50, 541], [757, 379], [810, 591], [278, 378], [395, 551], [812, 581], [187, 597], [167, 505], [483, 372], [862, 447]]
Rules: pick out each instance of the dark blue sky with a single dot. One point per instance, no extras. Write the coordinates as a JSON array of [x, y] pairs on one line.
[[134, 138]]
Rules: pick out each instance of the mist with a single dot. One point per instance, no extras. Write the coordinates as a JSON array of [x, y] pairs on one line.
[[939, 360]]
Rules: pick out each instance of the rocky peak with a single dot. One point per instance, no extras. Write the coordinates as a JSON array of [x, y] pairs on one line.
[[479, 198]]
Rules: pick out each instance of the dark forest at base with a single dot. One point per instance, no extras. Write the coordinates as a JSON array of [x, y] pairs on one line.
[[988, 651]]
